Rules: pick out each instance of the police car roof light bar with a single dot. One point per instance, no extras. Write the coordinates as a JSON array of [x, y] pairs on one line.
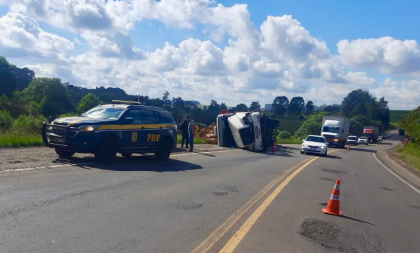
[[119, 102]]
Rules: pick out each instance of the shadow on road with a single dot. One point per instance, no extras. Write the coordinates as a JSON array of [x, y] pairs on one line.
[[140, 162], [333, 157], [354, 219], [145, 164]]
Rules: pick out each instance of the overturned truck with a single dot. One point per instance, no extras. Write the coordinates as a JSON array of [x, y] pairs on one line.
[[248, 130]]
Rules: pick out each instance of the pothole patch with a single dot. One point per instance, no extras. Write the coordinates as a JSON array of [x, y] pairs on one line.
[[190, 206], [335, 171], [327, 179], [220, 193], [322, 232], [231, 188]]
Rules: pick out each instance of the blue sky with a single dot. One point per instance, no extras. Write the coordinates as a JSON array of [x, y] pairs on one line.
[[380, 65]]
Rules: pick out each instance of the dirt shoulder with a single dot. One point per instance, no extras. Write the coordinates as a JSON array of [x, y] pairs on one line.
[[34, 157]]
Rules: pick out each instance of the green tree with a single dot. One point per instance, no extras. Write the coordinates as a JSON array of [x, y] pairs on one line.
[[334, 109], [312, 126], [296, 106], [178, 106], [223, 106], [166, 101], [310, 107], [356, 128], [214, 107], [280, 105], [88, 102], [8, 82], [284, 135], [255, 106], [51, 94], [241, 108]]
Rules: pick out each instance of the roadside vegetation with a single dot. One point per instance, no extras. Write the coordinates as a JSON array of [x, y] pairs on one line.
[[26, 102], [411, 125]]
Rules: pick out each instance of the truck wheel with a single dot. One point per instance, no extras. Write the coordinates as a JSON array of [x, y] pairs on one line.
[[107, 151], [62, 153], [164, 150], [126, 154]]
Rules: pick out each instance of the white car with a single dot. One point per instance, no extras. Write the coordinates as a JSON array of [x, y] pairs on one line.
[[363, 140], [315, 144]]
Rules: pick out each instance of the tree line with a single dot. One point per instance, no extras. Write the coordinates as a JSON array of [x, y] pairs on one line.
[[21, 93]]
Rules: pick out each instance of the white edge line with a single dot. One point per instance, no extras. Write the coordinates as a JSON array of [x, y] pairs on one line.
[[393, 173], [86, 164]]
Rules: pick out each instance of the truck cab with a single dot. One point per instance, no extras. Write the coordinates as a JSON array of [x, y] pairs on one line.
[[335, 129]]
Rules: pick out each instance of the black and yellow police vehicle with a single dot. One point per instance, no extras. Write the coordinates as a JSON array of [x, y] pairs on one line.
[[121, 127]]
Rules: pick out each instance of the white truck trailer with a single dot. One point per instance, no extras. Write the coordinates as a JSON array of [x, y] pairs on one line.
[[249, 130], [335, 129]]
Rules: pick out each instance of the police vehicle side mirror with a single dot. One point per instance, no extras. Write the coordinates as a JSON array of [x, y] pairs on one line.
[[128, 120]]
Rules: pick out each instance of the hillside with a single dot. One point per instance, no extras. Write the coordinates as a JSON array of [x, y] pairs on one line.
[[397, 115]]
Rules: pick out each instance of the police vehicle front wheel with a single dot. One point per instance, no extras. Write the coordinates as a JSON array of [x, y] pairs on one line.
[[107, 151], [164, 150], [62, 153]]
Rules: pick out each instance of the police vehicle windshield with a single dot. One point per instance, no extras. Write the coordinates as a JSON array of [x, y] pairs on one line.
[[104, 113]]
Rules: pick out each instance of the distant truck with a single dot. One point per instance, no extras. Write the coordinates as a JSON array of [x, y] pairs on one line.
[[401, 132], [335, 129], [372, 133]]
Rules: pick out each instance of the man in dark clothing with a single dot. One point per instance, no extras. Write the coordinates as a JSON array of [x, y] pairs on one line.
[[184, 130]]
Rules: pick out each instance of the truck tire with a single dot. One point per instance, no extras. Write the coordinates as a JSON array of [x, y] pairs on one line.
[[127, 155], [107, 150], [62, 153], [163, 151]]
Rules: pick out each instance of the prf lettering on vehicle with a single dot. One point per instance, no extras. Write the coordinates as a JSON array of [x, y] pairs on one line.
[[153, 137]]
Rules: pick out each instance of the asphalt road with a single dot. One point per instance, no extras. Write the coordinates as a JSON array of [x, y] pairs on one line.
[[209, 202]]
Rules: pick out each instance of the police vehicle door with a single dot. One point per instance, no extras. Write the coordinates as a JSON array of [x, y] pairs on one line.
[[153, 131], [132, 133]]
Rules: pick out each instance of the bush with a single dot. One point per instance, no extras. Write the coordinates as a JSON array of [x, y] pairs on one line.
[[28, 124], [70, 114], [6, 120], [284, 135], [311, 126]]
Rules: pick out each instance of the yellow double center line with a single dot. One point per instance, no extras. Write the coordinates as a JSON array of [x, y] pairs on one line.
[[240, 234]]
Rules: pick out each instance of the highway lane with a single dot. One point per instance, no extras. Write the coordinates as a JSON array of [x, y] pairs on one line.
[[144, 206], [148, 206]]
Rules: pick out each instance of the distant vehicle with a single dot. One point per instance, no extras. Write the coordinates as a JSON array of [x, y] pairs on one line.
[[121, 127], [363, 140], [314, 144], [380, 137], [371, 132], [352, 140], [335, 129], [386, 136], [401, 132]]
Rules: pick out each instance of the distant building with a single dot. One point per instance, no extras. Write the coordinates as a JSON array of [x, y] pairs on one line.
[[268, 107]]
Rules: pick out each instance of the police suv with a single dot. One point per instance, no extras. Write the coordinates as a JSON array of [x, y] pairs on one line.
[[121, 127]]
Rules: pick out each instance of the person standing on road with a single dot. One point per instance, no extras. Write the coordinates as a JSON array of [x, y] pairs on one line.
[[184, 130], [191, 130]]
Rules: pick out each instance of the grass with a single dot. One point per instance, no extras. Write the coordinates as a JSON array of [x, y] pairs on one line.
[[397, 115], [19, 140], [288, 141], [411, 153], [196, 140]]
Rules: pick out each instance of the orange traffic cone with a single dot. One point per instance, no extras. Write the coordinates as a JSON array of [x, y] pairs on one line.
[[334, 203], [348, 147], [274, 149]]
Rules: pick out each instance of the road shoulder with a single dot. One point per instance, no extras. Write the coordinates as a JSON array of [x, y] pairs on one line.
[[392, 160]]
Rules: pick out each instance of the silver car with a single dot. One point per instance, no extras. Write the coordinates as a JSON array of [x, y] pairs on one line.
[[363, 140]]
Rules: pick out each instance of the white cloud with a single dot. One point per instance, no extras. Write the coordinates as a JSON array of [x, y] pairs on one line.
[[402, 95], [387, 54], [22, 37], [279, 58], [285, 37]]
